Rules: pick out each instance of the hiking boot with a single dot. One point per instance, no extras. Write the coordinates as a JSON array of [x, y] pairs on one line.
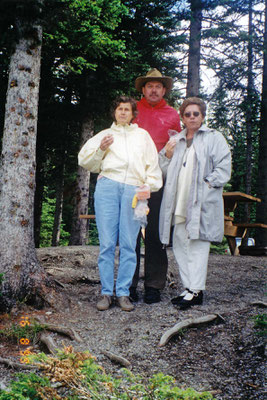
[[152, 295], [104, 303], [124, 303], [133, 294]]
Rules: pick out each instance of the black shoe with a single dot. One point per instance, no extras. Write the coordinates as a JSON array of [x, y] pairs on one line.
[[133, 294], [196, 299], [152, 295], [176, 300]]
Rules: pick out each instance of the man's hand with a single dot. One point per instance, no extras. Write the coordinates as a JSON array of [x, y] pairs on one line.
[[106, 142]]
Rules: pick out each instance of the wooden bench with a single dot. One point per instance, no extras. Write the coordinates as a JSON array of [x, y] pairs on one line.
[[250, 225], [232, 229], [236, 229], [252, 251], [87, 216], [92, 216]]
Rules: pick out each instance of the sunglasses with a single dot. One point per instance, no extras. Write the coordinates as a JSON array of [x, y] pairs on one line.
[[188, 114]]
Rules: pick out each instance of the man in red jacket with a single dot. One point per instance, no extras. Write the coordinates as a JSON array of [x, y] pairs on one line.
[[156, 117]]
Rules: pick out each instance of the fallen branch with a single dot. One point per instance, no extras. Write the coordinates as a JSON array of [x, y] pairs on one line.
[[187, 323], [114, 357], [16, 365]]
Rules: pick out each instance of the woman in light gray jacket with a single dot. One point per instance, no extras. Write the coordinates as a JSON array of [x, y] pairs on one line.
[[196, 164]]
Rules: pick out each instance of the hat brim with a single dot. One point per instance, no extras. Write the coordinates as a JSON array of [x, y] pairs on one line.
[[167, 82]]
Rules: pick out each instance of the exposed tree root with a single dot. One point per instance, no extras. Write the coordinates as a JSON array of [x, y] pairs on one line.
[[49, 342], [47, 339], [71, 333], [119, 359], [16, 365], [187, 323]]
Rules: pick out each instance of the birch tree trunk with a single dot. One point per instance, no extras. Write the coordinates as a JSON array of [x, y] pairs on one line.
[[79, 231], [193, 74], [22, 274], [261, 234]]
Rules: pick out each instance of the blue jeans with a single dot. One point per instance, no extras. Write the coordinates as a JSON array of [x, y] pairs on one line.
[[115, 222]]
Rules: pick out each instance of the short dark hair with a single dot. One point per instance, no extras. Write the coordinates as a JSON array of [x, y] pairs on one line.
[[193, 100], [123, 99]]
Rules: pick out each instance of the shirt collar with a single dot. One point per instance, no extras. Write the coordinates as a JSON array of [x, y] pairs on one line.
[[145, 103]]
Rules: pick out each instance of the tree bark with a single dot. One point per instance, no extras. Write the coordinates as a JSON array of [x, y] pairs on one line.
[[79, 231], [22, 274], [261, 234], [249, 103], [250, 92], [193, 74], [38, 200], [59, 201]]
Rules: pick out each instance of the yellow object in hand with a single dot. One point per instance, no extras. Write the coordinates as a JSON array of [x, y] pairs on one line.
[[134, 201]]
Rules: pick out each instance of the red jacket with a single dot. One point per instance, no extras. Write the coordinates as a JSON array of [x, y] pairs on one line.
[[157, 120]]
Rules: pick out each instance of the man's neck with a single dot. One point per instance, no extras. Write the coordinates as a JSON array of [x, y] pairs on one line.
[[153, 104]]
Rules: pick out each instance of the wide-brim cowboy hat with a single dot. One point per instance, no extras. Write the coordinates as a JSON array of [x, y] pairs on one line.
[[154, 75]]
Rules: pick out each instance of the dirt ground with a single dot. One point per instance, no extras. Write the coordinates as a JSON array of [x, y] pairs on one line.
[[226, 357]]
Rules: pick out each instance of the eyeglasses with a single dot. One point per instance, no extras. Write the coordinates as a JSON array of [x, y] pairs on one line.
[[188, 114]]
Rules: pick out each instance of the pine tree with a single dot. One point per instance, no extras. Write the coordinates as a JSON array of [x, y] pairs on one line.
[[261, 234]]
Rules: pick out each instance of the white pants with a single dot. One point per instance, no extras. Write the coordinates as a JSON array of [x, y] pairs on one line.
[[192, 258]]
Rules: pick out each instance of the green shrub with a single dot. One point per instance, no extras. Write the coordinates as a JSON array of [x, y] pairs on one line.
[[47, 221], [75, 376], [219, 248], [261, 324], [15, 332], [93, 234], [26, 387]]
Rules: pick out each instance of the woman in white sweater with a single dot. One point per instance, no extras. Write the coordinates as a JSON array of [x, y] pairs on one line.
[[126, 159]]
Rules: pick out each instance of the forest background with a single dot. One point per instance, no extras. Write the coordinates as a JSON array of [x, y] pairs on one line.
[[62, 62]]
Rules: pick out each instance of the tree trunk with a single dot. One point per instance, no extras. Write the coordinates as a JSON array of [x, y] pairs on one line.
[[193, 74], [249, 103], [38, 201], [59, 201], [261, 234], [22, 274], [79, 231]]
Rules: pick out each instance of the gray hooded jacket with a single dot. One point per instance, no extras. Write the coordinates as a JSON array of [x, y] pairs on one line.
[[211, 171]]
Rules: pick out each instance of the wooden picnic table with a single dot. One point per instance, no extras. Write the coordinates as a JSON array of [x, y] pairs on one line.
[[234, 229]]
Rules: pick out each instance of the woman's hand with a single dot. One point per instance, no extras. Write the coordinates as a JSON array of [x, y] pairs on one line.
[[169, 148], [106, 142], [143, 192]]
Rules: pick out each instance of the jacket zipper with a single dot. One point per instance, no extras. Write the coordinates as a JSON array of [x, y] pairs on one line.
[[127, 153]]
